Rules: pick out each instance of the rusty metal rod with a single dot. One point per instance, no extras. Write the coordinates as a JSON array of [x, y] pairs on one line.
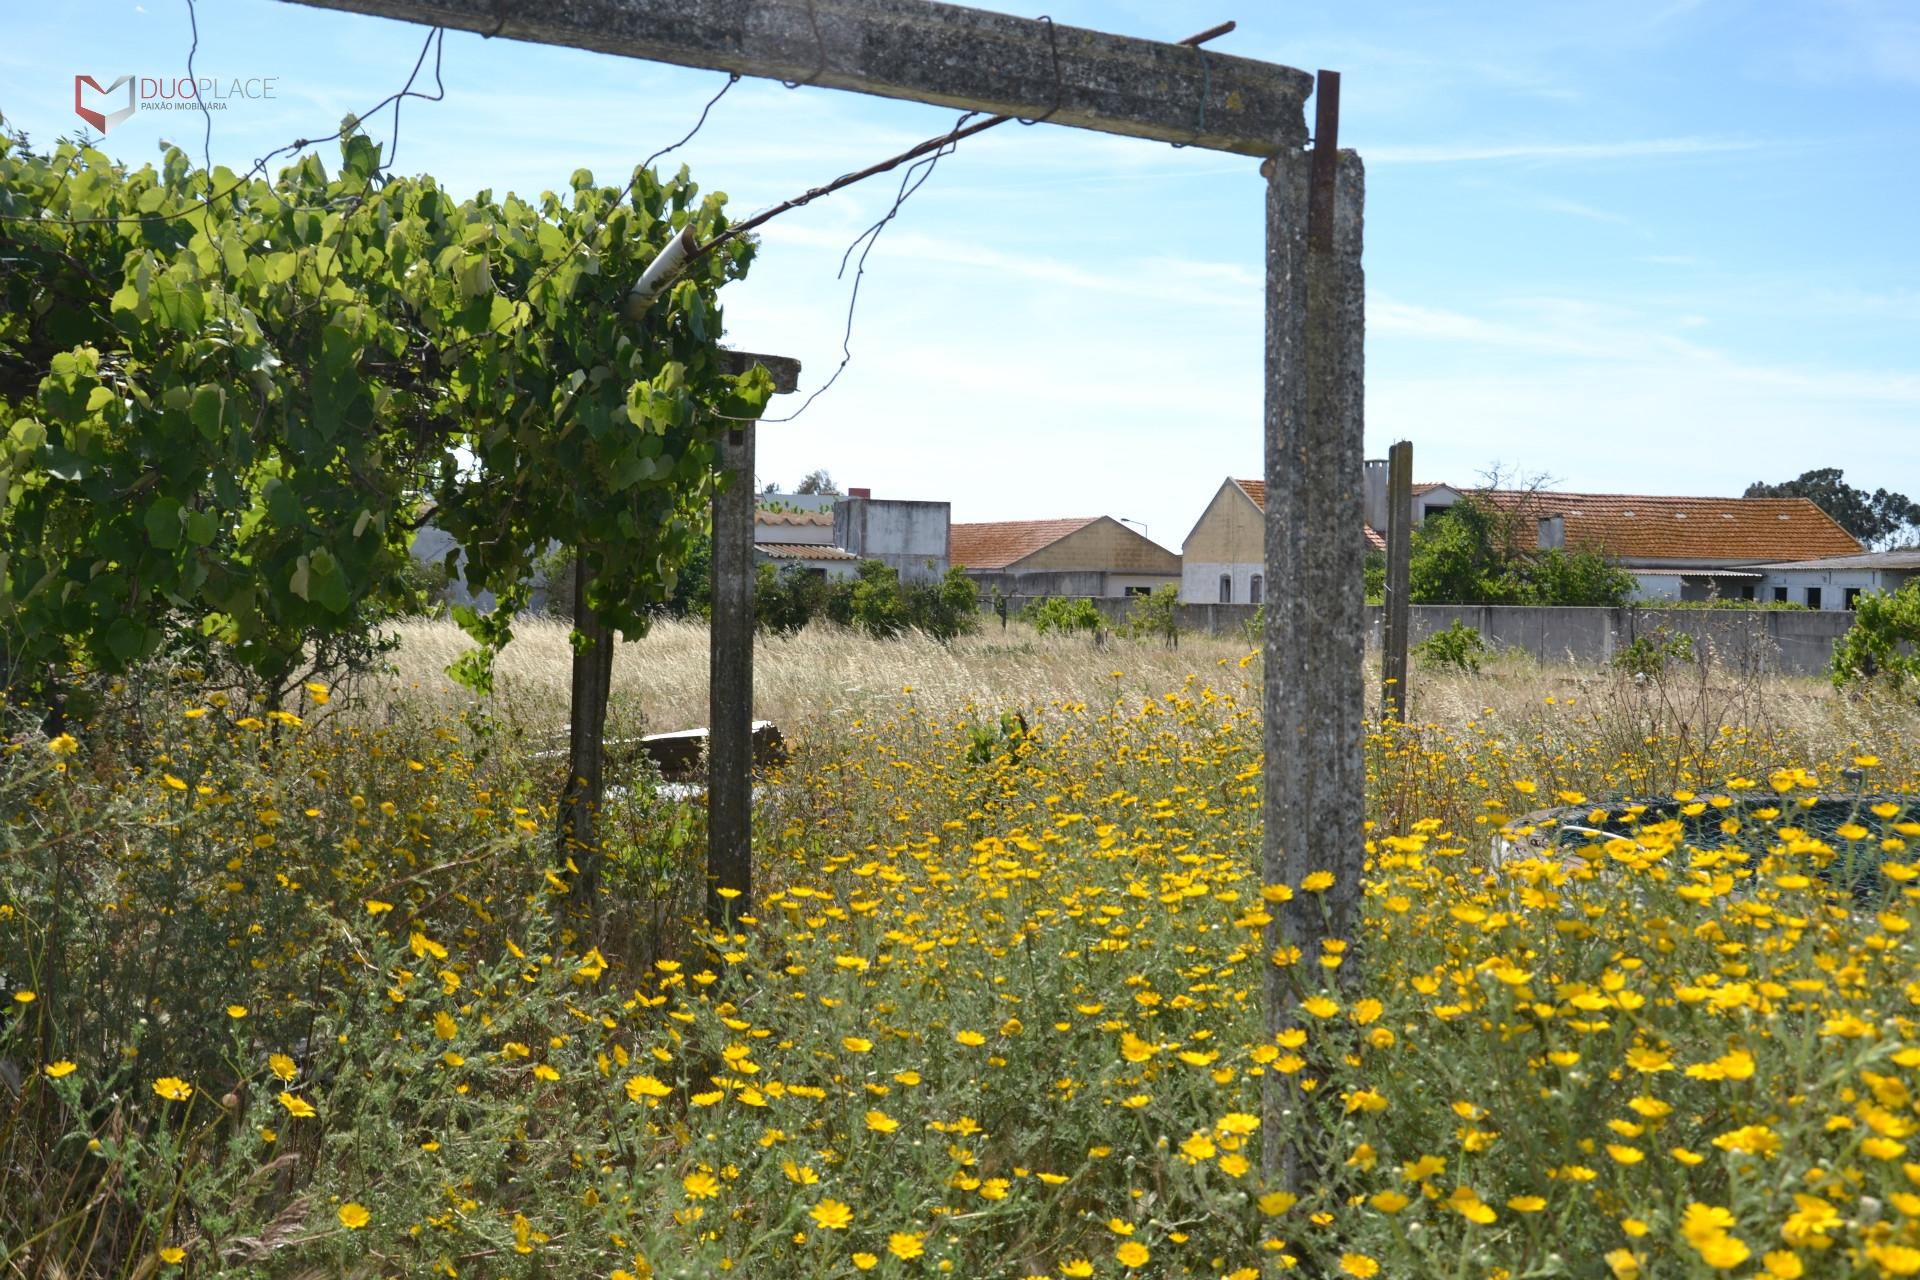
[[1326, 162]]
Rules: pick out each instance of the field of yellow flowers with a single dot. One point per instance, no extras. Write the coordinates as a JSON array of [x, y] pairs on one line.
[[309, 994]]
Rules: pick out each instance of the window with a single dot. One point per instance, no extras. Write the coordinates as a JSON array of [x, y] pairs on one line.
[[1226, 588], [1137, 591], [1851, 598], [1780, 595], [1813, 597], [1256, 590], [1746, 591]]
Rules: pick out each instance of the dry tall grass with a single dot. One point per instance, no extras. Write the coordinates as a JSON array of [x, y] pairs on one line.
[[827, 674], [660, 681]]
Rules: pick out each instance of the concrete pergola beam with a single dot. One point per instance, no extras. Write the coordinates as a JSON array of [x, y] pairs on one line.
[[945, 54]]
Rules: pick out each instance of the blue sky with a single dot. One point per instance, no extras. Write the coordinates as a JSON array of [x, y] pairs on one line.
[[1659, 246]]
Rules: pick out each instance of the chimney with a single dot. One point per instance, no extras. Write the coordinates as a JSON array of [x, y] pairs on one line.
[[1553, 532], [850, 521], [1375, 504]]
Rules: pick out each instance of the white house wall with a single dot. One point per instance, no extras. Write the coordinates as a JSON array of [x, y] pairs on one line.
[[1200, 582], [1832, 583], [1656, 586]]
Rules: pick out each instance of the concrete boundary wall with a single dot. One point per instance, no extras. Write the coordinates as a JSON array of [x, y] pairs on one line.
[[1790, 641], [1794, 642]]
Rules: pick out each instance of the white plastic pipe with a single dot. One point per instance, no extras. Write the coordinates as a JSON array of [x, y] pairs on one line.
[[660, 272]]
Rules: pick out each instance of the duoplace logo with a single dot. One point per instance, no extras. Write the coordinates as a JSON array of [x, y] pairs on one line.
[[165, 93], [102, 120]]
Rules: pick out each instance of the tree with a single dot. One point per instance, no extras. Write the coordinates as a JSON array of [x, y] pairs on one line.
[[1479, 551], [1879, 519], [224, 404], [820, 481], [1883, 644], [1464, 556]]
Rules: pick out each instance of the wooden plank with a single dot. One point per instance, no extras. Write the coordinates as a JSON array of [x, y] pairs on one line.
[[1394, 633], [922, 50], [730, 688]]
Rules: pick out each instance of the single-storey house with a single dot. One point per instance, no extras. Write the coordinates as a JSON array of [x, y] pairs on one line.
[[1836, 582], [1676, 548], [1087, 556]]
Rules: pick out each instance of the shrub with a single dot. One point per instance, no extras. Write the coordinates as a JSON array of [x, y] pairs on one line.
[[1653, 654], [1883, 644], [786, 599], [1156, 615], [1458, 647], [879, 608], [1065, 614], [947, 608], [1255, 628]]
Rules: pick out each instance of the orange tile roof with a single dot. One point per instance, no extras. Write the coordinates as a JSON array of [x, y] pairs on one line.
[[995, 544], [1638, 527], [794, 517], [1376, 541]]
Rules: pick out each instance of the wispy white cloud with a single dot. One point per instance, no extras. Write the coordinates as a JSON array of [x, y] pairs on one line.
[[1629, 149]]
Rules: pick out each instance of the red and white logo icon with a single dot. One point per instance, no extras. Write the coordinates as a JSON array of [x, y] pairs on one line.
[[102, 120]]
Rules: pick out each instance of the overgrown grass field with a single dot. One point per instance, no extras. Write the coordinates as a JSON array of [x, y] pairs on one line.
[[310, 994]]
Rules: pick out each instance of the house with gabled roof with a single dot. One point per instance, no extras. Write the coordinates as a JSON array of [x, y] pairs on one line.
[[1676, 548], [1083, 556], [1683, 548]]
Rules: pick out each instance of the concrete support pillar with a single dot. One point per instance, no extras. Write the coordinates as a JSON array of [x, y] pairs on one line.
[[730, 694], [1314, 801]]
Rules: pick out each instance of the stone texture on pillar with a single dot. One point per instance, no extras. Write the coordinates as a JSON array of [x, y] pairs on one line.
[[1314, 801]]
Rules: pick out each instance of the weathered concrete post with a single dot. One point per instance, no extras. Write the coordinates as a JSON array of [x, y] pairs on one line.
[[1314, 802], [1397, 616], [730, 662]]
